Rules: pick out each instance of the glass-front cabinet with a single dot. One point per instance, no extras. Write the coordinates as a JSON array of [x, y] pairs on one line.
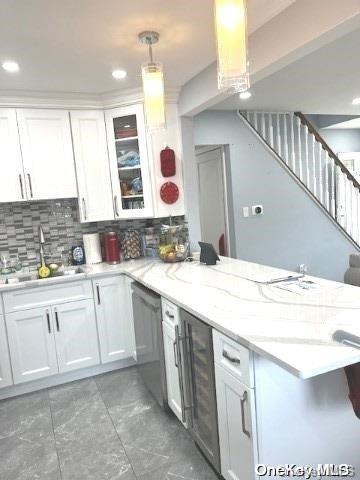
[[129, 164]]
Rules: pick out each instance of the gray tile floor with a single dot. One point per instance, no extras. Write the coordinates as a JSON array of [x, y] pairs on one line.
[[102, 428]]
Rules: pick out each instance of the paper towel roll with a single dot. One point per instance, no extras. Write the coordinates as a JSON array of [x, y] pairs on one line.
[[92, 248]]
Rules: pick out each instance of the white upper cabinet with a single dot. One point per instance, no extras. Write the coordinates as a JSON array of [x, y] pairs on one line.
[[115, 322], [48, 160], [129, 162], [12, 186], [76, 335], [96, 201]]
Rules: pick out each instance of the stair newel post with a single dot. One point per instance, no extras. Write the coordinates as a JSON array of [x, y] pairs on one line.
[[333, 187]]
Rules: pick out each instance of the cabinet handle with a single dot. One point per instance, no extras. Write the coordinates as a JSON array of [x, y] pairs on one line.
[[242, 403], [84, 208], [48, 321], [230, 358], [30, 185], [21, 186], [168, 314], [116, 205], [98, 293], [57, 321], [176, 357], [178, 340]]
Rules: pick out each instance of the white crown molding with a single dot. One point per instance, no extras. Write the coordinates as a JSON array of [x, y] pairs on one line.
[[32, 99]]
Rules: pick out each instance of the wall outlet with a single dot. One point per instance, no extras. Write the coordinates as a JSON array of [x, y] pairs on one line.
[[246, 212], [257, 209]]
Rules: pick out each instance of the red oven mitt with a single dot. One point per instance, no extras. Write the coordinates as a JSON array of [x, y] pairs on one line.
[[353, 378]]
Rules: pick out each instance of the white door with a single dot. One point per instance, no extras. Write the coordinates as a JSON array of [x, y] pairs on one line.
[[172, 366], [48, 158], [76, 335], [213, 210], [12, 186], [129, 162], [113, 319], [31, 344], [5, 368], [96, 201], [237, 427]]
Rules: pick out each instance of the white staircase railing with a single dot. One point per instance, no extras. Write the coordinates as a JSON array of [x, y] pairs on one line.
[[296, 142]]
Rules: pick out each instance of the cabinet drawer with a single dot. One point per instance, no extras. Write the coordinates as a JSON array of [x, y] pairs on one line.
[[235, 358], [50, 294], [170, 312]]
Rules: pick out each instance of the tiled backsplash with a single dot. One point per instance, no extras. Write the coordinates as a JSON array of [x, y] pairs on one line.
[[60, 221]]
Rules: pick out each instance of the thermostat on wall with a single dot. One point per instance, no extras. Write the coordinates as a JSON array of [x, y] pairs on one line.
[[257, 209]]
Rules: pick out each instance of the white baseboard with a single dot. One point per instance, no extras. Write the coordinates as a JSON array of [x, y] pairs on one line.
[[62, 378]]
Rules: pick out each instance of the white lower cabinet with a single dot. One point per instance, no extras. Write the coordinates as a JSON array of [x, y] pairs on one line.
[[5, 368], [114, 318], [237, 426], [32, 344], [76, 335], [48, 340], [172, 373]]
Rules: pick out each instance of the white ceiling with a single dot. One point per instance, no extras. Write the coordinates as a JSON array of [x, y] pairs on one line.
[[326, 81], [73, 45]]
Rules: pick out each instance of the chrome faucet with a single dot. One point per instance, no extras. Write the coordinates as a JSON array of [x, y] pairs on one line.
[[42, 243]]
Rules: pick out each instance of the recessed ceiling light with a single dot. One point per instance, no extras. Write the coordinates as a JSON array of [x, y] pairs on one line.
[[127, 126], [119, 74], [11, 67], [356, 101], [245, 95]]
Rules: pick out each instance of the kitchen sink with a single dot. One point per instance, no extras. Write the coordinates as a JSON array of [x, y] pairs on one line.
[[31, 276]]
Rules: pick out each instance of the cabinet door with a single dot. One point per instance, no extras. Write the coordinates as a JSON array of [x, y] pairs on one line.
[[172, 366], [32, 344], [48, 158], [12, 187], [129, 162], [5, 369], [76, 335], [237, 427], [114, 322], [92, 166]]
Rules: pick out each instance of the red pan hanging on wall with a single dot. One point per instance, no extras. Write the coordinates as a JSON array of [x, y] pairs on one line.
[[169, 192]]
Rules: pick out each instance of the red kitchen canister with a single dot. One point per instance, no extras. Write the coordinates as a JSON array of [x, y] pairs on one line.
[[111, 248]]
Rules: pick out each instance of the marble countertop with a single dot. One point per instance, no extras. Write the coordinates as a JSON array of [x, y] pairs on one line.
[[295, 331]]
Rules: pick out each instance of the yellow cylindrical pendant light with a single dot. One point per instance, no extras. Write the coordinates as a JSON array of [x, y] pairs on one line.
[[154, 95], [231, 36], [153, 86]]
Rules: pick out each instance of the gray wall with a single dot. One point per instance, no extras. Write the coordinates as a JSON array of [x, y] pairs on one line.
[[339, 139], [293, 229]]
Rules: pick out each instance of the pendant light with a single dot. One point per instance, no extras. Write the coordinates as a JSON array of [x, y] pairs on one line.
[[231, 36], [153, 86]]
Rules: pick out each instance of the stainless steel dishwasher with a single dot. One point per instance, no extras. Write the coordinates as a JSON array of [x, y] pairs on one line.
[[149, 341]]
